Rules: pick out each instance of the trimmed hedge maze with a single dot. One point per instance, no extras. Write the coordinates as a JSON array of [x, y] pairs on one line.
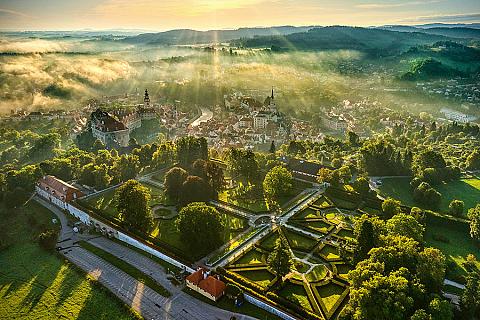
[[319, 239]]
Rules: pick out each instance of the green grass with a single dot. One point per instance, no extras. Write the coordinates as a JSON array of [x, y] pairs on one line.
[[36, 284], [459, 245], [298, 241], [330, 294], [317, 273], [227, 304], [320, 226], [452, 290], [329, 252], [251, 257], [268, 242], [308, 213], [342, 270], [467, 190], [296, 294], [260, 277], [127, 268], [258, 203], [105, 205], [345, 233]]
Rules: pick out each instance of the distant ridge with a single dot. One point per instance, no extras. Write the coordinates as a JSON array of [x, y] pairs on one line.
[[188, 36]]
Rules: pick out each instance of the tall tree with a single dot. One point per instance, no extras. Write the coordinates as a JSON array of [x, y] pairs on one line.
[[405, 225], [280, 260], [474, 216], [456, 207], [365, 240], [195, 189], [132, 200], [174, 180], [200, 227], [278, 182]]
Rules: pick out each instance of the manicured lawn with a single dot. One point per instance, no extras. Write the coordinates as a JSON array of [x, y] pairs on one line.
[[125, 267], [329, 252], [105, 205], [318, 273], [251, 257], [346, 233], [459, 244], [330, 294], [297, 294], [257, 203], [320, 226], [260, 277], [343, 269], [269, 241], [166, 231], [322, 202], [298, 241], [36, 284], [467, 190], [308, 213]]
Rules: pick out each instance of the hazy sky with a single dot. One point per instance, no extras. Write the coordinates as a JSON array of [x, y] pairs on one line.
[[211, 14]]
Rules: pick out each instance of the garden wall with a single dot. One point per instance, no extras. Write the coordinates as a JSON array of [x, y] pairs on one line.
[[122, 236], [267, 307]]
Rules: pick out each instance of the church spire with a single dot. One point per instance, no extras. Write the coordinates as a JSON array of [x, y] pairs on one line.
[[146, 99]]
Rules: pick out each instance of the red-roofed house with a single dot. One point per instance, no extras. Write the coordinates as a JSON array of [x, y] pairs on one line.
[[205, 284], [57, 191]]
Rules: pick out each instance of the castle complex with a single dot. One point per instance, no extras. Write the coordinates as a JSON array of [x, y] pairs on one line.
[[114, 128]]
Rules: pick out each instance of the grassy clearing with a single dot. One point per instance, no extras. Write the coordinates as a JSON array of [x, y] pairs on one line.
[[297, 294], [125, 267], [467, 190], [36, 284], [329, 252], [456, 245]]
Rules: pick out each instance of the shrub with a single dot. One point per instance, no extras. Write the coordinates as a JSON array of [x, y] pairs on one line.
[[48, 239]]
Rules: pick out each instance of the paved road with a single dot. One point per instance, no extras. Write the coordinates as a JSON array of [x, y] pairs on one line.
[[146, 301]]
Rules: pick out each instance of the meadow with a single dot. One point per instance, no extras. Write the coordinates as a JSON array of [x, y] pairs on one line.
[[35, 284], [467, 190]]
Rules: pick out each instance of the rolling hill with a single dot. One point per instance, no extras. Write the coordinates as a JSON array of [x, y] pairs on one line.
[[375, 42], [187, 36]]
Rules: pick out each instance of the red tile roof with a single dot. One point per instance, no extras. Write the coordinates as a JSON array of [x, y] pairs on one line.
[[212, 285], [59, 188]]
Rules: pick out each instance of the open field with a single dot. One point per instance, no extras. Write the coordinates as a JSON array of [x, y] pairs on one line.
[[35, 284], [467, 190], [455, 242]]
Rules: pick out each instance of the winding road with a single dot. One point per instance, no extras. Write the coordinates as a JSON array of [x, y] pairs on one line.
[[140, 297]]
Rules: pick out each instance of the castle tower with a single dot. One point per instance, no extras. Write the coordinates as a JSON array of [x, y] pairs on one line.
[[146, 100], [272, 105]]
